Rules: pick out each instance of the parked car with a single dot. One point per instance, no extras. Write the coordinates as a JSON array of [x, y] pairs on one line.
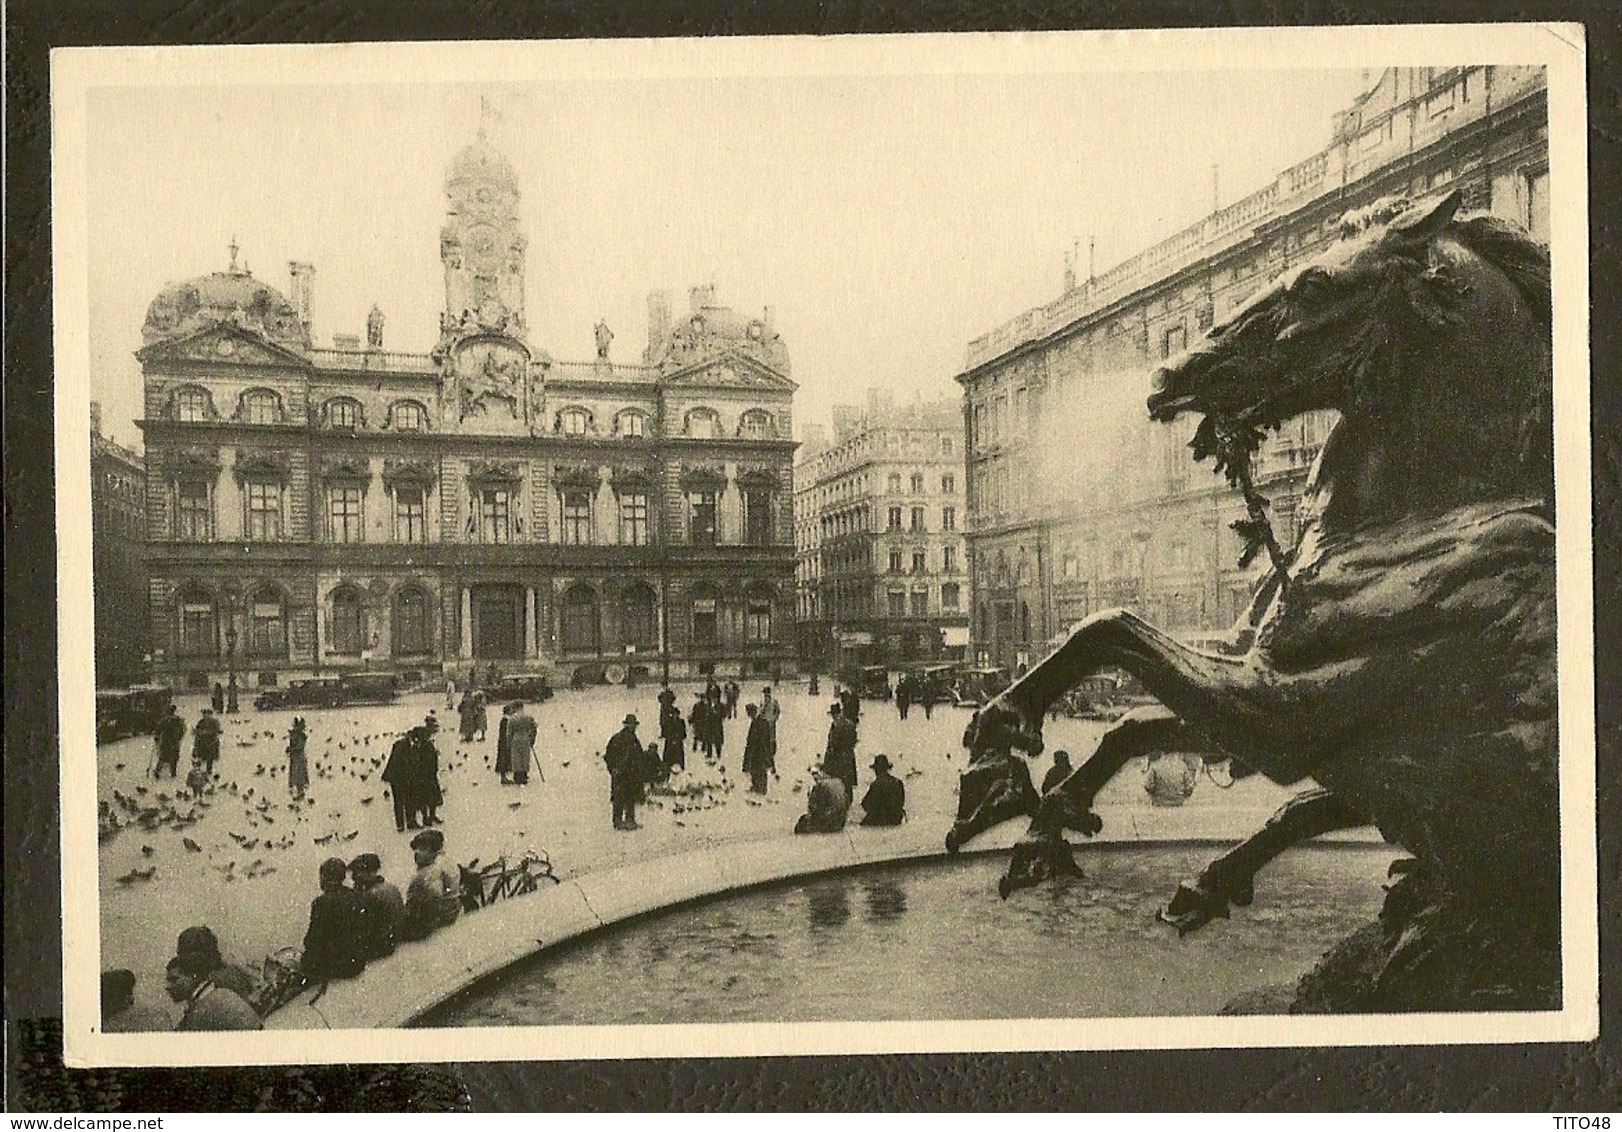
[[978, 686], [370, 687], [316, 692], [531, 686], [871, 682], [122, 712], [940, 679]]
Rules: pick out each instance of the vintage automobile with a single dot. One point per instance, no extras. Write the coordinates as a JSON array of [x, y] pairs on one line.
[[534, 687], [370, 687], [977, 686], [941, 679], [122, 712], [316, 692], [871, 682]]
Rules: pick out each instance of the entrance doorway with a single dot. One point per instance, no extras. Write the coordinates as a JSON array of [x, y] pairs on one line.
[[498, 622]]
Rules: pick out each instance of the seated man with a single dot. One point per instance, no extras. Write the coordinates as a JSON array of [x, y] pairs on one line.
[[885, 802], [434, 896], [827, 805], [205, 1004], [334, 947]]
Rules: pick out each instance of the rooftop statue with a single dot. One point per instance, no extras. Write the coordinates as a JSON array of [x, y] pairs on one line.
[[1401, 654]]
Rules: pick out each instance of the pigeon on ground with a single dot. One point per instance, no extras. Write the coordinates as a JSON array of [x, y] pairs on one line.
[[191, 845]]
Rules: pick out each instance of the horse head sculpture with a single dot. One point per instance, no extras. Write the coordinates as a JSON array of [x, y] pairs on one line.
[[1401, 653]]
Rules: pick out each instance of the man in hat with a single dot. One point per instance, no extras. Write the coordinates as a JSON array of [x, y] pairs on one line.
[[623, 756], [434, 897], [398, 774], [673, 731], [334, 947], [171, 730], [205, 742], [771, 710], [381, 905], [698, 722], [425, 767], [827, 804], [521, 734], [839, 757], [205, 1003], [759, 756], [885, 802], [1058, 772]]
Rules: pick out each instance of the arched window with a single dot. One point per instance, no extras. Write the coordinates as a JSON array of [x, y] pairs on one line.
[[638, 622], [757, 617], [704, 423], [346, 628], [261, 407], [409, 416], [193, 404], [631, 424], [574, 421], [344, 412], [756, 424], [580, 622], [706, 617], [267, 624], [411, 624], [197, 623]]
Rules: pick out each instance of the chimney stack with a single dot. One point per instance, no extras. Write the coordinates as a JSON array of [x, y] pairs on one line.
[[658, 326], [95, 418], [303, 275]]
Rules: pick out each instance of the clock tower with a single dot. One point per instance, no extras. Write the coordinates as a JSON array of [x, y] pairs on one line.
[[480, 245]]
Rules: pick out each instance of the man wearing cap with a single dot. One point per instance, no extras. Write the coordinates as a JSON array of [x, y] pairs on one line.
[[434, 897], [623, 756], [839, 757], [205, 1004], [201, 948], [333, 944], [885, 802], [381, 906]]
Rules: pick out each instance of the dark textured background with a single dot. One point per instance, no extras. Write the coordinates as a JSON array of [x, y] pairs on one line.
[[1554, 1078]]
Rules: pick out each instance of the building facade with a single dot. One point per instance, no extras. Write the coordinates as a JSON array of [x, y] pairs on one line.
[[1076, 501], [118, 537], [878, 517], [315, 509]]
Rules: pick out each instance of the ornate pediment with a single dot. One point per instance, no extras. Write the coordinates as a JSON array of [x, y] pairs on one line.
[[703, 477], [633, 478], [196, 461], [730, 370], [261, 465], [345, 468], [495, 471], [223, 344], [575, 476], [759, 475], [405, 470]]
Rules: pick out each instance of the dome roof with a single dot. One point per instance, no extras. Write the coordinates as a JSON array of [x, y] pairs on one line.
[[223, 296], [482, 161]]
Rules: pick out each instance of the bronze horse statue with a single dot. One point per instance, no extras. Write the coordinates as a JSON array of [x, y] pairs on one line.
[[1401, 654]]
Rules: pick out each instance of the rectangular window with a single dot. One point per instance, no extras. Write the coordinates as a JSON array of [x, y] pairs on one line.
[[411, 626], [576, 518], [895, 518], [194, 506], [948, 484], [918, 519], [757, 517], [949, 560], [895, 483], [267, 635], [948, 518], [346, 513], [701, 528], [920, 561], [1174, 341], [920, 603], [950, 596], [897, 603], [895, 560], [191, 405], [704, 622], [197, 630], [495, 514], [410, 515], [757, 622], [264, 501], [634, 518]]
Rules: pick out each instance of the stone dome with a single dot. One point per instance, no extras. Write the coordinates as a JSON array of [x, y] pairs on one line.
[[482, 161], [236, 297]]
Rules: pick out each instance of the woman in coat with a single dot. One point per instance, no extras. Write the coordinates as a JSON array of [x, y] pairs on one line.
[[298, 764], [758, 756]]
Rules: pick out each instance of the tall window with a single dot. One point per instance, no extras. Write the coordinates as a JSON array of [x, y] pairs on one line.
[[920, 561], [757, 516], [948, 484], [194, 508], [267, 627], [949, 560], [920, 603], [343, 413], [895, 560], [576, 517], [633, 425], [574, 422], [895, 518], [191, 405], [634, 518], [895, 482], [495, 514], [705, 423], [918, 518], [346, 630], [346, 513], [946, 446], [410, 514], [705, 618], [410, 417], [264, 502], [411, 623], [897, 603], [757, 620], [950, 596], [198, 626], [948, 518], [1174, 341], [580, 622], [917, 483], [260, 406], [638, 620], [756, 424], [701, 526]]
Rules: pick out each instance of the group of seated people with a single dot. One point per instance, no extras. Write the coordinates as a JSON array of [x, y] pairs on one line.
[[828, 801]]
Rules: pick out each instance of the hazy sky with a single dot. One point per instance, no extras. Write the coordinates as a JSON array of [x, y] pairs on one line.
[[888, 220]]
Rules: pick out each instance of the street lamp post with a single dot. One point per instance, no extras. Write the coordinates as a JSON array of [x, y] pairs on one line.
[[231, 668]]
